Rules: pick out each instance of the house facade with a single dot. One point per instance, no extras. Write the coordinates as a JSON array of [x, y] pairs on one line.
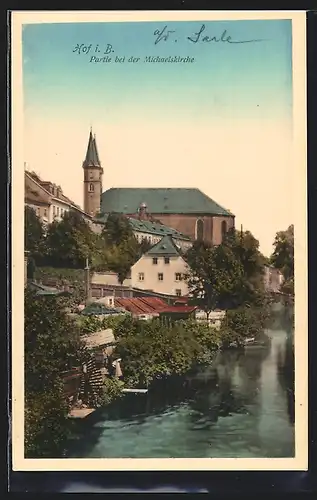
[[48, 200], [162, 269]]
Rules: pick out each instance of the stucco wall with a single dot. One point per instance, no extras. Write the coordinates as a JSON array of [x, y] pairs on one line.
[[169, 285]]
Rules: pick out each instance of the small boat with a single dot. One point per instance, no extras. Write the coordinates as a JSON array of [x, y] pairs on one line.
[[253, 342], [135, 391]]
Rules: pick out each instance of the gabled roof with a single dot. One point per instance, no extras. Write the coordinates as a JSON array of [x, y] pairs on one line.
[[164, 247], [92, 157], [145, 226], [160, 201]]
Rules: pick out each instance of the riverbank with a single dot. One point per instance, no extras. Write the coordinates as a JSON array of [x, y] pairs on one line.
[[236, 407]]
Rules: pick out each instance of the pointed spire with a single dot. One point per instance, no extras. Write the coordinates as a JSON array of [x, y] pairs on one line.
[[92, 158]]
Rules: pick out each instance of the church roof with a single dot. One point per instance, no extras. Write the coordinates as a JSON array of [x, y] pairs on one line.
[[164, 247], [92, 157], [160, 201]]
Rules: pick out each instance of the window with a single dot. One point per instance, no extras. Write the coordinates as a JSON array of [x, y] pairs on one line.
[[166, 260], [178, 292], [91, 187], [141, 276], [57, 211], [160, 276], [38, 212], [45, 212], [223, 228], [178, 276], [154, 260], [54, 210], [199, 229]]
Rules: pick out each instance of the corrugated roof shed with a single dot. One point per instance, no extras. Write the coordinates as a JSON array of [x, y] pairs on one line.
[[97, 339], [141, 305]]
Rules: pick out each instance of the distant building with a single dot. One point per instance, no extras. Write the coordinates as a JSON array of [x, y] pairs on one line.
[[187, 210], [273, 279], [148, 230], [48, 199], [162, 269]]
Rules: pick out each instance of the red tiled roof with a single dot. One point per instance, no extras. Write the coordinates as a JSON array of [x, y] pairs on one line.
[[141, 305], [179, 309], [150, 305]]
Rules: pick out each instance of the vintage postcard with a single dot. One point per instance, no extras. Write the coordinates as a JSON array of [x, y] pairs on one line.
[[159, 261]]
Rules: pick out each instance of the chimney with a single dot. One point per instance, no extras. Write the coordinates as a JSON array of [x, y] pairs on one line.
[[142, 211]]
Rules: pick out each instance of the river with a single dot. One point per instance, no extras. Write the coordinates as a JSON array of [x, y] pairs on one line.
[[241, 406]]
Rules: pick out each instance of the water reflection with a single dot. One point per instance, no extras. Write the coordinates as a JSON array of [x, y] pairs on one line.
[[241, 406]]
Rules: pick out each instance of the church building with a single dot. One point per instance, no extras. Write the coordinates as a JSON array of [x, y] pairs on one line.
[[188, 210]]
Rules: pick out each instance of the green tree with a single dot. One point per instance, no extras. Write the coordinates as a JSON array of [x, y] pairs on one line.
[[34, 231], [246, 249], [117, 229], [215, 279], [283, 254], [52, 345], [70, 241], [228, 275], [122, 245]]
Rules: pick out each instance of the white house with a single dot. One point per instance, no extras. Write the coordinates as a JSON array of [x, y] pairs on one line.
[[161, 270]]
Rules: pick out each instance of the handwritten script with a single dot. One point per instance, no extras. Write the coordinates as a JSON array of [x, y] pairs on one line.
[[166, 34]]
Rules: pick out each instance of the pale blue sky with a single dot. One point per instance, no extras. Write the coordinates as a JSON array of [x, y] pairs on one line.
[[221, 122]]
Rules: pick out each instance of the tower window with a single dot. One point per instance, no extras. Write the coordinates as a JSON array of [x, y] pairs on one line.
[[199, 229], [91, 187], [223, 228]]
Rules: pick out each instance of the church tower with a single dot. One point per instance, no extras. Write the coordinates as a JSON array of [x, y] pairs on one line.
[[93, 173]]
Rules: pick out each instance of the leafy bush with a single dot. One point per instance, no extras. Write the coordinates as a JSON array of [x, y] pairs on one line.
[[52, 345], [91, 324], [111, 390], [151, 350]]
